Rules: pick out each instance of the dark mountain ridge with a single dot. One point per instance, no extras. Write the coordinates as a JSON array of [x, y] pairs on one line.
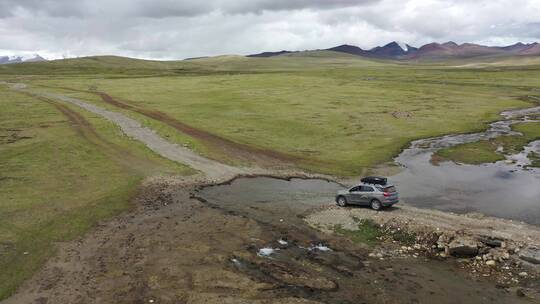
[[450, 49]]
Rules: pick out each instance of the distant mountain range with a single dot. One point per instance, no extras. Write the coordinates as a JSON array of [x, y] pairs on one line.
[[401, 51], [19, 59]]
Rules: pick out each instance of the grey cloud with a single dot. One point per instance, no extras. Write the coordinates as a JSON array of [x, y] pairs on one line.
[[177, 29], [164, 8], [54, 8]]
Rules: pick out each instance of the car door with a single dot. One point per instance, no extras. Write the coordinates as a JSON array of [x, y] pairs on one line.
[[354, 195], [365, 195]]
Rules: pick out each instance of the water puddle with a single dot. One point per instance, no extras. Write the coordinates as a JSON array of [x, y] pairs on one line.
[[271, 200], [504, 189]]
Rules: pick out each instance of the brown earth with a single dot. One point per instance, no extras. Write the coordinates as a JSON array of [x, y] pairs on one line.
[[175, 249]]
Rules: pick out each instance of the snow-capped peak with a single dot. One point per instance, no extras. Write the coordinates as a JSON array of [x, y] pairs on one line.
[[21, 58], [403, 46]]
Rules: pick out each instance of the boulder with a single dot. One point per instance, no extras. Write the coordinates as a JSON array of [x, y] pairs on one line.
[[443, 240], [531, 255], [463, 247], [491, 241]]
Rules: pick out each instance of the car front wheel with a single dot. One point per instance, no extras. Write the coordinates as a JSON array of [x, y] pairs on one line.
[[342, 201], [376, 205]]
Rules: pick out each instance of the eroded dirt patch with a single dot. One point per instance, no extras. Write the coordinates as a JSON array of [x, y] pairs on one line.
[[176, 249]]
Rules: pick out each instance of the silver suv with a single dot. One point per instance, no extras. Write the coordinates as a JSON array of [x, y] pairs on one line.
[[374, 195]]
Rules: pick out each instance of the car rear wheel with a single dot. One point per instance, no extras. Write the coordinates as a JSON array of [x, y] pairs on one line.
[[342, 201], [376, 205]]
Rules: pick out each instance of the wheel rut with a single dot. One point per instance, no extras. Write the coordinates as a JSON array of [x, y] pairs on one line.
[[212, 169]]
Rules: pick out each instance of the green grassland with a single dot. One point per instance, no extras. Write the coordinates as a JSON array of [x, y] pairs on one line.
[[475, 153], [341, 115], [367, 232], [56, 181], [337, 113], [485, 151]]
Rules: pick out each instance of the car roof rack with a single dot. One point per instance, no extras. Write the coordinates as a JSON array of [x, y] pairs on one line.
[[375, 180]]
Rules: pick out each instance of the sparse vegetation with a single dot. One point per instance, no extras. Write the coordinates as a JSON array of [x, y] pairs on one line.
[[474, 153], [485, 151], [368, 232], [402, 236], [535, 159]]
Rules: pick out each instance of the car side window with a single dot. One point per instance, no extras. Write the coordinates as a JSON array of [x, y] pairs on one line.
[[355, 189], [366, 189]]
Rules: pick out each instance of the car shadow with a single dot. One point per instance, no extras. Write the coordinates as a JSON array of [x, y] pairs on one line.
[[385, 209]]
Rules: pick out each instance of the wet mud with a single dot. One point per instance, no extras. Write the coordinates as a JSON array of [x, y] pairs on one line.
[[328, 268]]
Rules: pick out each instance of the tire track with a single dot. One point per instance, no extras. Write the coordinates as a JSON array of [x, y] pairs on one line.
[[85, 130], [132, 128], [229, 147], [232, 149]]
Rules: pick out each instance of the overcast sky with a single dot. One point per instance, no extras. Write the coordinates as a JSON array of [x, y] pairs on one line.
[[169, 29]]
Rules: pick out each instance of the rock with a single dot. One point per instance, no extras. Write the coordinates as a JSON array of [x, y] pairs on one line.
[[376, 255], [498, 254], [463, 247], [523, 274], [491, 263], [491, 242], [531, 255], [443, 241]]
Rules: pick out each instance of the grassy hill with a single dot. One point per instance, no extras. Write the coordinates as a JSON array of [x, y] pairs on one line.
[[130, 66], [344, 109], [335, 113]]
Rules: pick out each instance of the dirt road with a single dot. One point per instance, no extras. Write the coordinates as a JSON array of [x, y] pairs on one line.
[[233, 150], [237, 150], [174, 248], [132, 128]]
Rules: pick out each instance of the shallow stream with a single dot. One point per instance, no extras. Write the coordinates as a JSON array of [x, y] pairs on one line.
[[506, 189]]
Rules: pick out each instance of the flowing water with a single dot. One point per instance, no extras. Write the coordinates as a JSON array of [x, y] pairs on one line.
[[506, 189]]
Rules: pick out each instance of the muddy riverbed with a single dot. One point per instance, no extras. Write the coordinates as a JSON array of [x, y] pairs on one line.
[[345, 273], [176, 248]]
